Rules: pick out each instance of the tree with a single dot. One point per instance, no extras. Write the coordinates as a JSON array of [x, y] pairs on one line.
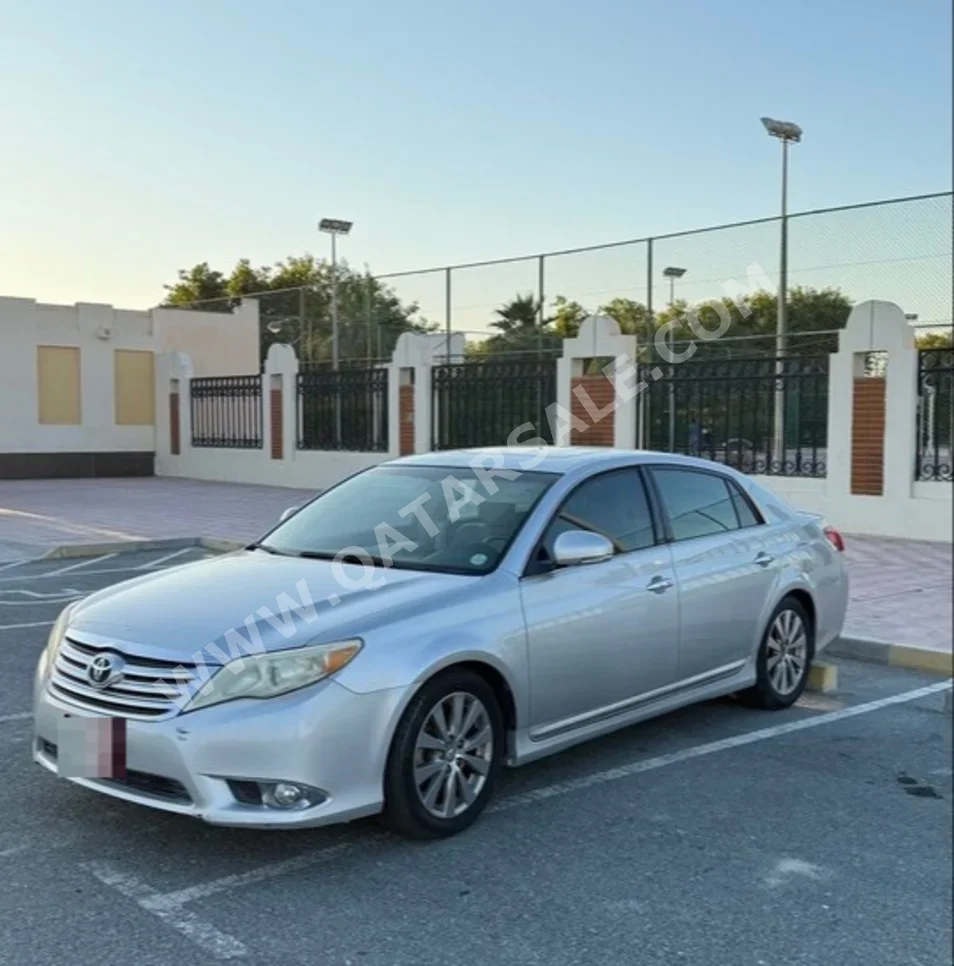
[[935, 340], [568, 317], [294, 298], [520, 331], [631, 316], [521, 314], [198, 284]]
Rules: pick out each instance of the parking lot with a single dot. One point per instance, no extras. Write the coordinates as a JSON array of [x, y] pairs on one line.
[[715, 835]]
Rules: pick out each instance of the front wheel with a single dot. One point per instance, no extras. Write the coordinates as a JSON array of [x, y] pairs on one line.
[[444, 758], [784, 658]]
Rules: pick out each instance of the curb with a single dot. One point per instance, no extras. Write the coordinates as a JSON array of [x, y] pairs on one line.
[[896, 655], [215, 544]]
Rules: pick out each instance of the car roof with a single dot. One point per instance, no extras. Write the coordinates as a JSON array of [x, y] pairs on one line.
[[556, 459]]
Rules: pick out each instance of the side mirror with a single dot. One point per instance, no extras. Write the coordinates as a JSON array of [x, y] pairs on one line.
[[287, 513], [577, 547]]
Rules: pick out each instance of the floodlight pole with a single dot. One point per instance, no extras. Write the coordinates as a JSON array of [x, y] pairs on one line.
[[788, 133], [672, 273]]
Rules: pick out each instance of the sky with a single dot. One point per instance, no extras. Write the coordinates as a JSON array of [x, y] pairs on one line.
[[140, 138]]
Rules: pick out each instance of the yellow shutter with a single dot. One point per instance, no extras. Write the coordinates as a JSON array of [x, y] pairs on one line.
[[58, 385], [134, 387]]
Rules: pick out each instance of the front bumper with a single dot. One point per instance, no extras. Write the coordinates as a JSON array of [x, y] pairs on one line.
[[323, 736]]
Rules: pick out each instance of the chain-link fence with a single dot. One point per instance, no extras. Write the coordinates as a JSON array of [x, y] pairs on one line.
[[898, 250]]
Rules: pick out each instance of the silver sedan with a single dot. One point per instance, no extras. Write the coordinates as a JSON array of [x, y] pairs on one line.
[[393, 643]]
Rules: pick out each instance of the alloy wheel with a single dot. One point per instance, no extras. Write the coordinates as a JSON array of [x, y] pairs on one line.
[[786, 652], [453, 754]]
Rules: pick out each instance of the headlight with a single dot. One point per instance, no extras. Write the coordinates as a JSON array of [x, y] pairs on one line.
[[268, 675], [58, 631]]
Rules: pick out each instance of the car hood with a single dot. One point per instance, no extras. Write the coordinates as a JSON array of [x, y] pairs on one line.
[[243, 602]]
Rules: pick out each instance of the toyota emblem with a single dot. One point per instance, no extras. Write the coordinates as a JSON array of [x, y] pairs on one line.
[[104, 670]]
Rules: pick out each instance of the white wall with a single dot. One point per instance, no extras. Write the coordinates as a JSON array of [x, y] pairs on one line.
[[219, 343], [25, 324], [925, 514], [307, 470]]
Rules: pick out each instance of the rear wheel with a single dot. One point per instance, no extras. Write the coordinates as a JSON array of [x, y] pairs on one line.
[[784, 658], [444, 758]]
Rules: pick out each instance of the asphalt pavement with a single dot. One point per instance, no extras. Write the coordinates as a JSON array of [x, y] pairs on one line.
[[715, 835]]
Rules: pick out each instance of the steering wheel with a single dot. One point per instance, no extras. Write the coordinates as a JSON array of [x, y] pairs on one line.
[[468, 532]]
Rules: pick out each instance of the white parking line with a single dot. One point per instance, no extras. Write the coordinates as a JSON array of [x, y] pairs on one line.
[[64, 598], [711, 747], [13, 564], [16, 716], [86, 573], [18, 627], [169, 906], [162, 560], [83, 563], [295, 864], [219, 944]]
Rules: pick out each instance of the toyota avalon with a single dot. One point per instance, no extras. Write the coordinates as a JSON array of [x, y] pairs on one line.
[[394, 642]]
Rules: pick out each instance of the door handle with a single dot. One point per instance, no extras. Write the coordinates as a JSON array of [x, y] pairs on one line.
[[659, 585], [763, 559]]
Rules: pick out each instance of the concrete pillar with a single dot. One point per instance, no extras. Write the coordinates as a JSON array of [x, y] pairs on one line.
[[280, 392], [605, 402], [418, 353], [173, 376], [853, 405]]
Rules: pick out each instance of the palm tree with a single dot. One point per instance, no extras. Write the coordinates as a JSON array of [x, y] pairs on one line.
[[519, 316]]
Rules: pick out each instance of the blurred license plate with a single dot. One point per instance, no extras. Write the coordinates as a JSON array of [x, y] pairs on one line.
[[91, 747]]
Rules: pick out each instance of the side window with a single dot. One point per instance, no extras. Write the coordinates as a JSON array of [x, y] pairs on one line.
[[613, 504], [743, 507], [698, 504]]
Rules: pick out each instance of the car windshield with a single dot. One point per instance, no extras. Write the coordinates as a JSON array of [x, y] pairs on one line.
[[437, 518]]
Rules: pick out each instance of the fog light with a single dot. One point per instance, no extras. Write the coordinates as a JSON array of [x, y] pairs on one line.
[[287, 795]]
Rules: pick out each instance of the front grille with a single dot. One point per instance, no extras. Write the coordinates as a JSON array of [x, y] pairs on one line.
[[148, 688], [137, 781], [155, 785]]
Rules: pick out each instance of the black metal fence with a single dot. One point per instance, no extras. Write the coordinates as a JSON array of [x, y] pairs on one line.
[[724, 410], [935, 415], [482, 403], [344, 410], [226, 411]]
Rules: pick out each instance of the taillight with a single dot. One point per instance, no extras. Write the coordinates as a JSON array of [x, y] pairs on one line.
[[835, 539]]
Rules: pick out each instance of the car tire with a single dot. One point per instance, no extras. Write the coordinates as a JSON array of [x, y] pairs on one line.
[[438, 780], [784, 659]]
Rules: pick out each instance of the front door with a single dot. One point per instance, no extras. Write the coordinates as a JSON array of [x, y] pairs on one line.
[[600, 634]]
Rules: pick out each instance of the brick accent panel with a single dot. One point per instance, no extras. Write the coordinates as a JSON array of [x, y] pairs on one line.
[[278, 439], [406, 412], [175, 445], [867, 437], [598, 431]]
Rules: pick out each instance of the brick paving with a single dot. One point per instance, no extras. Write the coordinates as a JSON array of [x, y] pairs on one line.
[[901, 589]]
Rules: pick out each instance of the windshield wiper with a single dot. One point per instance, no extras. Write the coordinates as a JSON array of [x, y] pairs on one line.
[[268, 548]]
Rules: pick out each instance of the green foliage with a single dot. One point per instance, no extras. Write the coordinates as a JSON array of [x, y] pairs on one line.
[[521, 331], [567, 317], [935, 340], [520, 328], [294, 299]]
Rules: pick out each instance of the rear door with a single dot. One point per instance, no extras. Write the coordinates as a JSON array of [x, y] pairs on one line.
[[724, 571], [601, 634]]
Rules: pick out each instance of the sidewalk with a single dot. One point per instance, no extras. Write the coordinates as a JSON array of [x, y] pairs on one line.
[[900, 589]]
